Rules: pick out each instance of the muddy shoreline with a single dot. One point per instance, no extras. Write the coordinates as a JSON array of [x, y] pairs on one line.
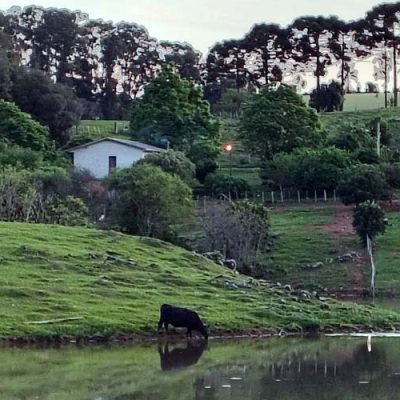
[[176, 337]]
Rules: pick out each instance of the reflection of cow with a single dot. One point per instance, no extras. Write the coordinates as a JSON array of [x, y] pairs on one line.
[[180, 357], [181, 318]]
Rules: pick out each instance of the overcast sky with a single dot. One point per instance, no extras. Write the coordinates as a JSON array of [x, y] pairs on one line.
[[204, 22]]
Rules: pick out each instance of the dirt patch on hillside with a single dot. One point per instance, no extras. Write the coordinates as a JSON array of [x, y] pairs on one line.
[[340, 228], [341, 224]]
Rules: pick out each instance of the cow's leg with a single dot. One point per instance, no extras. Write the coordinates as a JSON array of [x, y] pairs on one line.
[[189, 333], [166, 326], [160, 322]]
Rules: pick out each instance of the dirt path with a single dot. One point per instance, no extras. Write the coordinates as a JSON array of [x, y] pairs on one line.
[[339, 229], [341, 224]]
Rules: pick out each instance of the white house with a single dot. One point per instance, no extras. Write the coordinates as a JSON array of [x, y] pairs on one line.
[[103, 156]]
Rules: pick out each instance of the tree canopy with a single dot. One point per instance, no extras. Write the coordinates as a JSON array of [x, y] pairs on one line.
[[278, 121], [18, 128], [172, 110], [149, 201]]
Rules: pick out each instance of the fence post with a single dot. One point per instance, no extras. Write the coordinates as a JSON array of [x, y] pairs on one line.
[[315, 196], [281, 196], [245, 194], [334, 195], [298, 196], [272, 197], [325, 195]]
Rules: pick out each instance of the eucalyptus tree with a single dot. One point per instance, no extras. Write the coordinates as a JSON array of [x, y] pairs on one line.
[[54, 40]]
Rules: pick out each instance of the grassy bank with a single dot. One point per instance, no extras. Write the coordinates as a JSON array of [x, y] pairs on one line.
[[82, 282]]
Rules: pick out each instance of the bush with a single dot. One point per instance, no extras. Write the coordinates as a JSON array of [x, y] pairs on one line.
[[69, 211], [363, 182], [307, 169], [392, 174], [368, 219], [226, 184], [148, 201], [239, 230], [172, 162]]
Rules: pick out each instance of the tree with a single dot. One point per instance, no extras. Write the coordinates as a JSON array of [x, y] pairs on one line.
[[352, 138], [278, 121], [149, 201], [5, 66], [54, 40], [225, 184], [311, 44], [384, 22], [172, 109], [329, 98], [240, 231], [362, 182], [271, 45], [173, 162], [307, 169], [368, 220], [51, 104], [18, 128]]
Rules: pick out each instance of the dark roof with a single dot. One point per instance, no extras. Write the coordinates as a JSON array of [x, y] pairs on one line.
[[147, 148]]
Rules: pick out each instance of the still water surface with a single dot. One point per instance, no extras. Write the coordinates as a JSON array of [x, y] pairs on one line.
[[312, 369]]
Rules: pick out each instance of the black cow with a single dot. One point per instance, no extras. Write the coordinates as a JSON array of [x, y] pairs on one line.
[[181, 318], [179, 357]]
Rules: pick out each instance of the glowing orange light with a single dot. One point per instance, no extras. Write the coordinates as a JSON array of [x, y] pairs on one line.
[[228, 147]]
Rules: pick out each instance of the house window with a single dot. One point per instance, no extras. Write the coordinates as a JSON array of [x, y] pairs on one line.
[[112, 163]]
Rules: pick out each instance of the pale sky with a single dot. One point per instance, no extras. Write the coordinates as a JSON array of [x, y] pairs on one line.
[[204, 22]]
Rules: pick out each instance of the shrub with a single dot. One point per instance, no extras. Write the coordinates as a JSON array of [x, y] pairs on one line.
[[148, 201], [172, 162], [368, 219], [363, 182], [226, 184]]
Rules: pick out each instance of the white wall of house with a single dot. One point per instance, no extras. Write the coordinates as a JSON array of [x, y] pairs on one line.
[[95, 157]]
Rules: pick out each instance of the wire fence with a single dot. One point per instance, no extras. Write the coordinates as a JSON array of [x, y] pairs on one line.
[[274, 197]]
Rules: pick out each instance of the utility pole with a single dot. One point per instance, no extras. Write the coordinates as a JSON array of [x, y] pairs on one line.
[[378, 138]]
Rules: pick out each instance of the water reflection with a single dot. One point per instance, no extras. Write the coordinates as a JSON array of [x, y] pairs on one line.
[[330, 368], [180, 357]]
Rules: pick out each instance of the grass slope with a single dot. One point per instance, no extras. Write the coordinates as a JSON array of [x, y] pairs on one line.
[[301, 242], [115, 284]]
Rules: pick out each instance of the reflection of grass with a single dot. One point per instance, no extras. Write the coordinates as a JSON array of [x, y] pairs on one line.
[[116, 283], [134, 372]]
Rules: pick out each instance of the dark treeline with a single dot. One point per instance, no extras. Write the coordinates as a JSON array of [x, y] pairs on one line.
[[108, 65]]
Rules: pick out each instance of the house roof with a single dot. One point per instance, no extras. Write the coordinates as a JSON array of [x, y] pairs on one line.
[[147, 148]]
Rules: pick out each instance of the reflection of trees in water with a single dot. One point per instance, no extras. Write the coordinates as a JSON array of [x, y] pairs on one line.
[[180, 357], [346, 372]]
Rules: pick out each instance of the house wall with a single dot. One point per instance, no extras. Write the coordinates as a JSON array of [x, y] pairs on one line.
[[95, 157]]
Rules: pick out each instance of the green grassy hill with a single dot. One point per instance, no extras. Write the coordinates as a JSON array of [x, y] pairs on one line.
[[82, 282]]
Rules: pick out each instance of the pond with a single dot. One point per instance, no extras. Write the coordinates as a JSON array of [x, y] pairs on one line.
[[277, 368]]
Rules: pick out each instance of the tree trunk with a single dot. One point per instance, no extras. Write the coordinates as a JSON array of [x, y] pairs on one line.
[[395, 72], [266, 67], [317, 72], [386, 80], [342, 78]]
